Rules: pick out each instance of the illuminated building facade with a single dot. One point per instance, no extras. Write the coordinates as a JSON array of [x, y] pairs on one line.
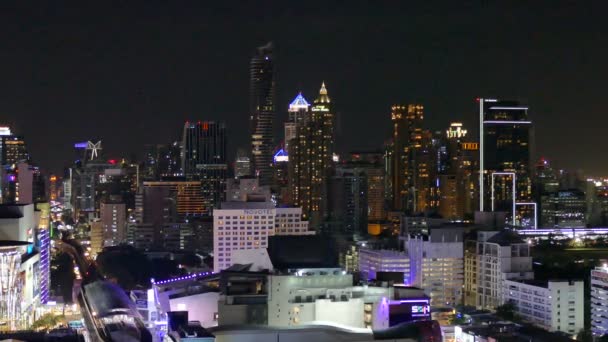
[[298, 114], [247, 226], [310, 158], [162, 160], [504, 147], [437, 264], [564, 208], [458, 180], [262, 111], [242, 164], [185, 197], [372, 163], [204, 159], [599, 301], [113, 215], [11, 285]]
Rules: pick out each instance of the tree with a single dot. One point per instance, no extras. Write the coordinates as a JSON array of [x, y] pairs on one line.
[[128, 267], [584, 335], [457, 319], [507, 312], [48, 321]]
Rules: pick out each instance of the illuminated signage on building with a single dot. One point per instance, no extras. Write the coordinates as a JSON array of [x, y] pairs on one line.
[[470, 146], [258, 212], [456, 131]]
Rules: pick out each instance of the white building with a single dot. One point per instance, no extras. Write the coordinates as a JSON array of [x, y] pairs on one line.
[[247, 225], [326, 295], [437, 265], [599, 301], [372, 261], [500, 255], [17, 222], [556, 305]]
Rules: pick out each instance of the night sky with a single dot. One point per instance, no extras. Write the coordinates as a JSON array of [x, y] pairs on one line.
[[131, 73]]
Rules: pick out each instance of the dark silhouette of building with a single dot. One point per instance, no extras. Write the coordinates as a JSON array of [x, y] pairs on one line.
[[262, 111]]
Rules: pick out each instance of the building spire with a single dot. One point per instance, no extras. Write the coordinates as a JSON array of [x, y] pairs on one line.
[[323, 98], [323, 90]]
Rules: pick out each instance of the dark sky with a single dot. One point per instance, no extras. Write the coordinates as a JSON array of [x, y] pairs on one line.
[[131, 73]]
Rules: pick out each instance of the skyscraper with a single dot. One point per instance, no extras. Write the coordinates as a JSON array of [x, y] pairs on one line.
[[204, 159], [262, 111], [407, 144], [298, 113], [504, 148], [310, 158]]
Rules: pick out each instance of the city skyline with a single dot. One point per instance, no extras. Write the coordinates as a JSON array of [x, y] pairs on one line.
[[191, 72]]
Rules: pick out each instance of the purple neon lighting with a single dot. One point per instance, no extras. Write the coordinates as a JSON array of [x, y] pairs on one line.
[[188, 277], [412, 301], [80, 145]]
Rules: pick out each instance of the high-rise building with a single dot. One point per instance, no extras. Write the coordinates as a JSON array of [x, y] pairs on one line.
[[372, 261], [544, 187], [347, 202], [564, 208], [372, 163], [113, 215], [242, 164], [262, 111], [494, 257], [162, 160], [599, 301], [437, 264], [457, 171], [204, 159], [311, 158], [504, 150], [247, 226], [409, 172], [298, 114]]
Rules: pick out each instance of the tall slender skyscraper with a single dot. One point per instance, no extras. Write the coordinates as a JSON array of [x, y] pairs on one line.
[[504, 148], [310, 158], [407, 144], [262, 111]]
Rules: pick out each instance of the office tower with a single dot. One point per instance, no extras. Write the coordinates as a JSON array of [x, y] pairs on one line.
[[185, 198], [247, 226], [406, 166], [204, 159], [457, 174], [347, 202], [113, 215], [54, 188], [14, 150], [599, 301], [242, 164], [505, 137], [203, 143], [280, 172], [262, 111], [310, 158], [372, 163], [298, 114], [437, 264], [162, 160], [495, 256], [554, 305], [564, 208]]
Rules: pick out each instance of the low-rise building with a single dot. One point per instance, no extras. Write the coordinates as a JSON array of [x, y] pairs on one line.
[[372, 261], [555, 305]]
